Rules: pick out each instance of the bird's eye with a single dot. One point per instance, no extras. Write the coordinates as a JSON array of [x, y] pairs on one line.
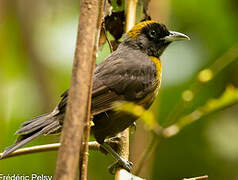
[[152, 33]]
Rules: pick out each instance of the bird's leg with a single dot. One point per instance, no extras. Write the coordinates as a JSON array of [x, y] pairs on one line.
[[121, 163]]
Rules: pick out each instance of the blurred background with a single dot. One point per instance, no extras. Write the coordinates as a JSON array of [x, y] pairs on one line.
[[37, 41]]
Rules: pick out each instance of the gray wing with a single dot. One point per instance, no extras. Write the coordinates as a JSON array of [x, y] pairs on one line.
[[118, 79]]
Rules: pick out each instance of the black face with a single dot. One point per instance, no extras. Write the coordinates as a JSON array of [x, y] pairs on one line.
[[155, 31], [151, 39]]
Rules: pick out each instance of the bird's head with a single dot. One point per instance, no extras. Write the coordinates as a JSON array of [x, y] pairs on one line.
[[152, 37]]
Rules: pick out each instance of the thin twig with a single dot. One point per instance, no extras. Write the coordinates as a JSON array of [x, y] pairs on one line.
[[45, 148], [226, 100], [108, 41], [78, 105], [147, 153], [197, 178]]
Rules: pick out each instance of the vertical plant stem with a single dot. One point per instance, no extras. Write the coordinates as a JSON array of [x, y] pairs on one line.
[[84, 155], [78, 107], [130, 22], [130, 14]]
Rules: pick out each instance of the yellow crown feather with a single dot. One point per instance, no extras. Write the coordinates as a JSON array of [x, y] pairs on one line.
[[136, 30]]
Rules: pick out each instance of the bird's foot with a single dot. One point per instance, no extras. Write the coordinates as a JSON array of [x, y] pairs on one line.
[[122, 163]]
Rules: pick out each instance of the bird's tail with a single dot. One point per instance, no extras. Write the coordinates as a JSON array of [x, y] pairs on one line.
[[44, 124]]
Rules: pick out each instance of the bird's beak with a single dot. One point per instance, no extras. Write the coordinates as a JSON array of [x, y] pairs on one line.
[[175, 36]]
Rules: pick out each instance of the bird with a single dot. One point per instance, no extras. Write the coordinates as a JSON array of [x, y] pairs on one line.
[[131, 73]]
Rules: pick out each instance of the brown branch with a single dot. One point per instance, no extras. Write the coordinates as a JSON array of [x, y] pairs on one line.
[[93, 145], [78, 108], [124, 152], [84, 152], [47, 147]]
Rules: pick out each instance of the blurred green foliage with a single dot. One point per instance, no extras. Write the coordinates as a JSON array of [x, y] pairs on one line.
[[146, 116], [37, 41]]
